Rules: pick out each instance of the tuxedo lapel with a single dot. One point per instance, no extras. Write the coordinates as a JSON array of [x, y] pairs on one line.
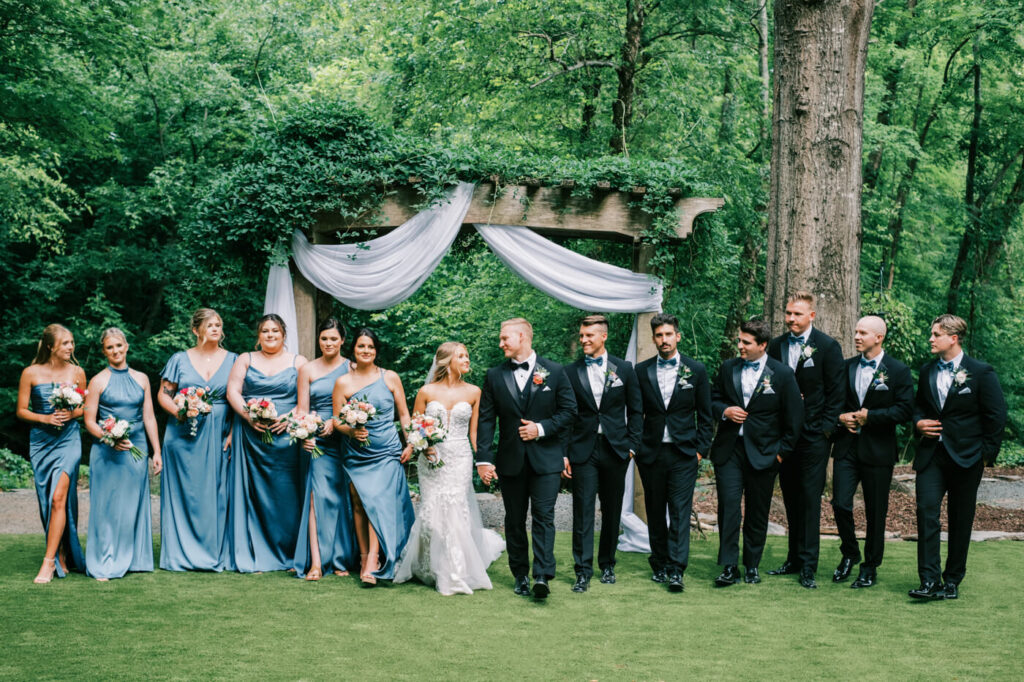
[[737, 383], [584, 376], [852, 371], [510, 384], [652, 376], [933, 374]]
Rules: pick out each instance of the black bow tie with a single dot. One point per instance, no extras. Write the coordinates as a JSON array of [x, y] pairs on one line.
[[671, 362], [946, 366], [520, 365]]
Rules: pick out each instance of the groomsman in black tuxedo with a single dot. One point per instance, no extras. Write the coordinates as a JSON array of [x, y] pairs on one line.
[[960, 413], [817, 360], [532, 402], [677, 433], [605, 434], [879, 397], [758, 401]]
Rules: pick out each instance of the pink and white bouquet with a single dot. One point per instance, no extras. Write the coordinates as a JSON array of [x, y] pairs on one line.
[[67, 396], [192, 403], [304, 428], [423, 433], [356, 413], [116, 430], [262, 411]]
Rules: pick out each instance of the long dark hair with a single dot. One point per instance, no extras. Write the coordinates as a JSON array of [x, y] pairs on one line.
[[332, 323], [370, 334]]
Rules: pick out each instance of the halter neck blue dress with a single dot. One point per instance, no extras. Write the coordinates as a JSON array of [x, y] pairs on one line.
[[379, 478], [120, 535], [53, 452], [194, 481], [267, 482]]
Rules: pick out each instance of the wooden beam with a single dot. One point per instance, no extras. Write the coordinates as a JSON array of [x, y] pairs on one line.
[[547, 210], [305, 313]]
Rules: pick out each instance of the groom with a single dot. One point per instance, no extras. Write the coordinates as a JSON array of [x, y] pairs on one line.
[[534, 405]]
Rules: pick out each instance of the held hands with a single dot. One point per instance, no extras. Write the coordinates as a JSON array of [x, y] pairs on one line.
[[849, 420], [735, 414], [487, 473], [930, 428], [528, 431]]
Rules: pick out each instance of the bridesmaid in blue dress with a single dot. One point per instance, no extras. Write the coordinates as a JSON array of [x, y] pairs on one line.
[[327, 536], [267, 480], [120, 535], [194, 483], [55, 449], [373, 460]]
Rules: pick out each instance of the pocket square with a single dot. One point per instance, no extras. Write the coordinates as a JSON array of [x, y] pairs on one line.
[[615, 384], [881, 387], [768, 391], [546, 388], [964, 391], [809, 363], [685, 387]]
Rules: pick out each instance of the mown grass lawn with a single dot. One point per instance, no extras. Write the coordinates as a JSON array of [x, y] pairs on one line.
[[169, 625]]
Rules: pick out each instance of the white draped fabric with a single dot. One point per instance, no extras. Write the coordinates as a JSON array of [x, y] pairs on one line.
[[384, 271]]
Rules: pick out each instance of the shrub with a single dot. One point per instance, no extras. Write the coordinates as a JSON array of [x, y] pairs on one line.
[[15, 471]]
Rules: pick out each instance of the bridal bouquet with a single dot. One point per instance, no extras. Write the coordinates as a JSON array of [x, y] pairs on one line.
[[262, 411], [115, 430], [67, 396], [356, 413], [424, 432], [305, 427], [193, 402]]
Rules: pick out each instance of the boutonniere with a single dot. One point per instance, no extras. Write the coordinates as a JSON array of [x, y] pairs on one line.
[[879, 378], [766, 384], [960, 377], [540, 375], [610, 377], [684, 375], [806, 351]]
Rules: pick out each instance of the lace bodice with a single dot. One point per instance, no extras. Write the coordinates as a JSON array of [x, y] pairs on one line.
[[456, 420]]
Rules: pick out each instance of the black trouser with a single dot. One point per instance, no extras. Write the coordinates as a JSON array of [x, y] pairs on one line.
[[875, 481], [941, 476], [737, 479], [537, 492], [668, 481], [602, 477], [802, 481]]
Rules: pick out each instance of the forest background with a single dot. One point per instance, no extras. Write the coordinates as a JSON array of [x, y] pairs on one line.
[[154, 153]]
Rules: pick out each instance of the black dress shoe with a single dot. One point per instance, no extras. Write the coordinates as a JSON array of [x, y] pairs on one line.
[[608, 576], [929, 590], [752, 577], [540, 588], [787, 568], [842, 571], [730, 575], [659, 576], [675, 583], [582, 583], [807, 579], [522, 587], [866, 578], [951, 591]]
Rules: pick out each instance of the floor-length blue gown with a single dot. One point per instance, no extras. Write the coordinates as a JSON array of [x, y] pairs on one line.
[[328, 483], [265, 505], [194, 480], [120, 535], [55, 451], [379, 478]]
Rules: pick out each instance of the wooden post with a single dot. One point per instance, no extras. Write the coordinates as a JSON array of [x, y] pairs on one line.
[[305, 313], [644, 349]]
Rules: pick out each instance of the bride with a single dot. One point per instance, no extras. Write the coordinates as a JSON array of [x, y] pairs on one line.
[[448, 545]]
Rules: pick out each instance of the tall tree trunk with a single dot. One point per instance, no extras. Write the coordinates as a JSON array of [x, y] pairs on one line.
[[622, 107], [727, 117], [814, 228], [765, 75], [591, 91]]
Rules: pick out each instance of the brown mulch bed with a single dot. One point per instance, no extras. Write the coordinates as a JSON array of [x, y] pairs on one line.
[[902, 518]]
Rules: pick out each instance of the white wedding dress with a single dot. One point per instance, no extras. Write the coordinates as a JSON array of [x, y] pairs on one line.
[[448, 545]]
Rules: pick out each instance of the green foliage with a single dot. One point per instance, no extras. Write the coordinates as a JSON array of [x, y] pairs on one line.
[[1011, 455], [15, 471]]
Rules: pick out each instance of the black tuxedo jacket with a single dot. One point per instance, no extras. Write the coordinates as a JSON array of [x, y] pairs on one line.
[[619, 416], [889, 403], [774, 416], [688, 415], [551, 403], [973, 417], [821, 380]]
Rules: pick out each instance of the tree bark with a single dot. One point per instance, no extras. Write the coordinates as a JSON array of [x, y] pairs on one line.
[[622, 107], [814, 225]]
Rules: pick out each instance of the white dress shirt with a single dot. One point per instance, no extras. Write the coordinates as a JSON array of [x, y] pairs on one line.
[[748, 382], [667, 378], [865, 373], [795, 348], [596, 374], [944, 379], [522, 376]]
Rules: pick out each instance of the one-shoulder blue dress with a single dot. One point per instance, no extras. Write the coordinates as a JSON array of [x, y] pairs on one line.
[[54, 452], [327, 483], [194, 481], [379, 478], [267, 482], [120, 535]]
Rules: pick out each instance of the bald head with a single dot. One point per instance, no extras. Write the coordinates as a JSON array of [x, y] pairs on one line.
[[868, 335]]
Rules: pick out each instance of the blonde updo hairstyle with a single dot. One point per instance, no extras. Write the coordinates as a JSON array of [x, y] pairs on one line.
[[48, 341], [199, 319], [443, 360], [112, 331]]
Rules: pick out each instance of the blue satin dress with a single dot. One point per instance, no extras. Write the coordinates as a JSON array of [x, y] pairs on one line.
[[328, 483], [194, 481], [55, 451], [267, 482], [379, 478], [120, 535]]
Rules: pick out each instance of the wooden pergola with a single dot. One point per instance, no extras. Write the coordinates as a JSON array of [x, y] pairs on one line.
[[548, 210]]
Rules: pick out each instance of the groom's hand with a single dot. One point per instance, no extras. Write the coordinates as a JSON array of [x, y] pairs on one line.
[[567, 470], [487, 473], [528, 431]]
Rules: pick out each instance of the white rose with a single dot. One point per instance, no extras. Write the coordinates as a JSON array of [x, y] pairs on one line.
[[302, 434], [362, 417], [350, 418]]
